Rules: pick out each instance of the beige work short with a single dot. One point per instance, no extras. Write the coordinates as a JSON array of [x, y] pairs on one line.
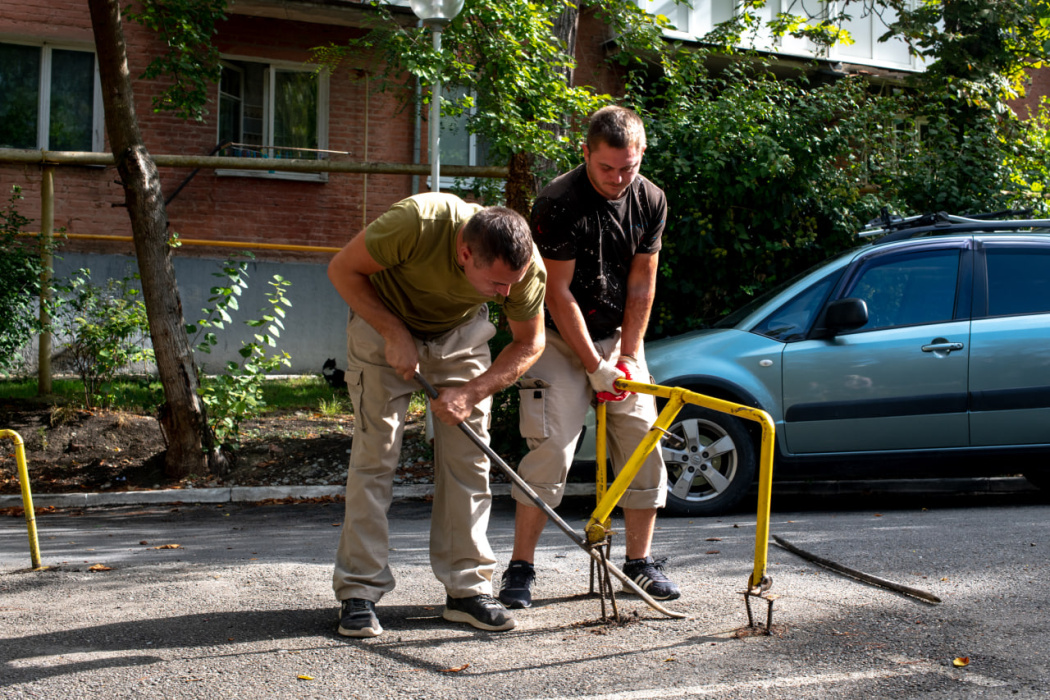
[[555, 395]]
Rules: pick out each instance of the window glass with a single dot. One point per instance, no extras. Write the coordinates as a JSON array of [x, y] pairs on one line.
[[72, 100], [1018, 281], [792, 320], [66, 104], [19, 95], [910, 289], [269, 112], [230, 105], [295, 115], [458, 146]]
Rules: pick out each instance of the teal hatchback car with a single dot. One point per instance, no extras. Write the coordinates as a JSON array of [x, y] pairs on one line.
[[925, 352]]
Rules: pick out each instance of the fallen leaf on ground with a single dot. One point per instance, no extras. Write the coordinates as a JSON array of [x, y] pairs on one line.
[[304, 677], [713, 539], [456, 669], [167, 546], [712, 551], [99, 567], [960, 661]]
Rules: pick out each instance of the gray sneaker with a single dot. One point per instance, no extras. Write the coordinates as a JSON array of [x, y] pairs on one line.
[[481, 611], [357, 618]]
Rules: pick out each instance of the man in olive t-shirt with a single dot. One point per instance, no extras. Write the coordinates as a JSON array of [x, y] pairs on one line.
[[418, 280]]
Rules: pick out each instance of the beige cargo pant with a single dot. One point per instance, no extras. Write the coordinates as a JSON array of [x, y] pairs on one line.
[[460, 555], [555, 395]]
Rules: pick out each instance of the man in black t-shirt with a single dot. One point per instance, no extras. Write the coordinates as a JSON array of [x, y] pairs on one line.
[[599, 230]]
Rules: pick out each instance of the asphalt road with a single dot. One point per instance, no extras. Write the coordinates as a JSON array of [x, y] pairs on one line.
[[243, 608]]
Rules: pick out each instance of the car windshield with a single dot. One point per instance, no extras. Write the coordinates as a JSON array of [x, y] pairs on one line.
[[734, 319]]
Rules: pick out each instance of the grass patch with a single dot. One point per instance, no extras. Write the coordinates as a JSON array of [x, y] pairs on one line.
[[138, 395]]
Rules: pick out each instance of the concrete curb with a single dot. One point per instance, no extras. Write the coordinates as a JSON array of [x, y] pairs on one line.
[[254, 494]]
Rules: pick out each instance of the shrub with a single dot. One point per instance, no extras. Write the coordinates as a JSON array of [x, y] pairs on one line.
[[237, 393], [20, 270], [103, 330]]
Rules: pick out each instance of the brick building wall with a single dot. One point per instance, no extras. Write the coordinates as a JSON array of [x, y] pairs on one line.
[[367, 127]]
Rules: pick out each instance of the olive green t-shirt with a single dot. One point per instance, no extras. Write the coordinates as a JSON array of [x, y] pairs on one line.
[[415, 241]]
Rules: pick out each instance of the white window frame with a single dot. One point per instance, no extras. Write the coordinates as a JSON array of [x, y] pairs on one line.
[[269, 100], [43, 125], [692, 23]]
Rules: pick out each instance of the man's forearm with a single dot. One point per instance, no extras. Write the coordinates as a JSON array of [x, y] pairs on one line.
[[507, 368], [635, 322], [573, 330]]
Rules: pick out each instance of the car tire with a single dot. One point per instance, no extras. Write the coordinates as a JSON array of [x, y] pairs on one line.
[[721, 478], [1039, 479]]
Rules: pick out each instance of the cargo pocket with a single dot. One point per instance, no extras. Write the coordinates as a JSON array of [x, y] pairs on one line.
[[532, 410], [356, 392]]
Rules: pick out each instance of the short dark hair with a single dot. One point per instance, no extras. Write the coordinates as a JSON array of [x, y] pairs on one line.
[[499, 233], [617, 127]]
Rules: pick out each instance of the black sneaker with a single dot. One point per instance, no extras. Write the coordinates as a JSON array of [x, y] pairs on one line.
[[649, 575], [516, 591], [481, 611], [357, 618]]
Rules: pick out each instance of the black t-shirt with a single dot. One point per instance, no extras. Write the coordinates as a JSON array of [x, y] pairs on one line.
[[571, 221]]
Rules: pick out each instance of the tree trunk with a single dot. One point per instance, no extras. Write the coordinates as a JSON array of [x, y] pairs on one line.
[[190, 443], [529, 174], [565, 28], [518, 189]]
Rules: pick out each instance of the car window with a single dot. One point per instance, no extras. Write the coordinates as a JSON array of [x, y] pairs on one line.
[[792, 320], [1018, 281], [905, 290]]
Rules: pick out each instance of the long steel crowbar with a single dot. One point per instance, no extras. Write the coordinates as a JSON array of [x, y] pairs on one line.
[[576, 537]]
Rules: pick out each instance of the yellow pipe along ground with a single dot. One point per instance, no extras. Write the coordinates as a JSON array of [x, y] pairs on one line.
[[27, 495]]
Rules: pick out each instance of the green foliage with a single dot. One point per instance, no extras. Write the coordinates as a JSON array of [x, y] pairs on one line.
[[20, 270], [762, 178], [767, 177], [191, 63], [237, 393], [979, 48], [507, 57], [103, 330]]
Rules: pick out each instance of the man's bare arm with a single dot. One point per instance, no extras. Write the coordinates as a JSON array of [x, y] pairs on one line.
[[454, 404], [349, 270], [641, 290], [565, 311]]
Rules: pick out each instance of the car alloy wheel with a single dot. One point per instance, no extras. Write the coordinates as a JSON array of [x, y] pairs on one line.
[[710, 462]]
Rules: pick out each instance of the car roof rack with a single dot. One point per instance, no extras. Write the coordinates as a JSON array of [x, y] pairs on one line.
[[895, 228]]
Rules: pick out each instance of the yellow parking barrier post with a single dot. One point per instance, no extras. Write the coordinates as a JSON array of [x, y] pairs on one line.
[[599, 572], [27, 495], [758, 583]]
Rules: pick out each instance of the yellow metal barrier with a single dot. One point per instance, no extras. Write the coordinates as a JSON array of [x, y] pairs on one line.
[[677, 397], [27, 496]]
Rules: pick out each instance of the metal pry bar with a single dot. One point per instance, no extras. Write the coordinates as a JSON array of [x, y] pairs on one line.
[[580, 541]]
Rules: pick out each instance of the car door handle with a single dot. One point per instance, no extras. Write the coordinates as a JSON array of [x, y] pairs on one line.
[[942, 346]]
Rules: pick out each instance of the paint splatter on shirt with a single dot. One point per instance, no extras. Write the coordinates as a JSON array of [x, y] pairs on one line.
[[571, 221]]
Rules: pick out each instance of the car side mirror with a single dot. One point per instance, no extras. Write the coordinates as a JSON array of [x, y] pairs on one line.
[[845, 315]]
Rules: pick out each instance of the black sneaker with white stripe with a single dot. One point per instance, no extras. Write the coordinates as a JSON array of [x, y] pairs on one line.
[[357, 618], [649, 575]]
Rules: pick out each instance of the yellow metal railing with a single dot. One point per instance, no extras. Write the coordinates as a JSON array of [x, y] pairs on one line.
[[27, 496], [677, 397]]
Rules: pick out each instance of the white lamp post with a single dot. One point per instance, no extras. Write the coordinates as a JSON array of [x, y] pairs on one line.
[[436, 14]]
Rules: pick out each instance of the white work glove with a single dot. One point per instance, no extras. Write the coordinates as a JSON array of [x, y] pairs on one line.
[[603, 377]]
